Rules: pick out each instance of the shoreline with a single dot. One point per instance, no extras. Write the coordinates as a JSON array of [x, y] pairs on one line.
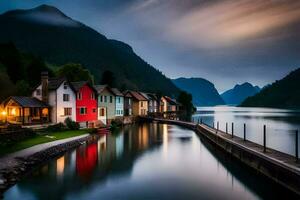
[[18, 167]]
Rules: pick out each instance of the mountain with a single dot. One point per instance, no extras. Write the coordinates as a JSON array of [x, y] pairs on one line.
[[204, 92], [284, 93], [239, 93], [47, 32]]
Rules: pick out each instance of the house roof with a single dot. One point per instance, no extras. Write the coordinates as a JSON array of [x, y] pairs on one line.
[[29, 102], [116, 92], [78, 85], [152, 96], [145, 95], [171, 101], [54, 83], [137, 96], [127, 94]]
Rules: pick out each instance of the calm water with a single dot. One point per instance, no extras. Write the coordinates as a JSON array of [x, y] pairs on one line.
[[281, 124], [145, 161]]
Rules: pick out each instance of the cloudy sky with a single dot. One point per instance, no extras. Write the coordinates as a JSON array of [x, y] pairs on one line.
[[224, 41]]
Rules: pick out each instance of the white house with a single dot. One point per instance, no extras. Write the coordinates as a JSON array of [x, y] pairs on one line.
[[119, 100], [60, 95]]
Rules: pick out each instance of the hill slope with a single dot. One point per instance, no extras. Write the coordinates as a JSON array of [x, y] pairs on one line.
[[284, 93], [204, 92], [239, 93], [47, 32]]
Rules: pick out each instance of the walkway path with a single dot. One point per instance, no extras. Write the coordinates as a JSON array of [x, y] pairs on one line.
[[11, 159]]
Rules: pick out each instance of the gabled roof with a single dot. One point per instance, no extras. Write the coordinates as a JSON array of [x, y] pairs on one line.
[[171, 101], [137, 96], [145, 95], [116, 92], [152, 96], [29, 102], [54, 83], [78, 85], [127, 94]]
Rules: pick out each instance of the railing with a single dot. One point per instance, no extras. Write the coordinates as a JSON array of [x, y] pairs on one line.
[[216, 126]]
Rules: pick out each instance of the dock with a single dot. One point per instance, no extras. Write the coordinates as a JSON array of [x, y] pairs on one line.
[[282, 168]]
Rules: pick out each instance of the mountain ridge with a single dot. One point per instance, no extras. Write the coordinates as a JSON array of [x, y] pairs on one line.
[[59, 45], [203, 91]]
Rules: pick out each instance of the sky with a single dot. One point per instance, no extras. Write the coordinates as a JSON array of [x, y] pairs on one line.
[[227, 42]]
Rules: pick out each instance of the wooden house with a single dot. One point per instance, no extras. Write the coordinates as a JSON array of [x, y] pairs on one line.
[[86, 104], [60, 95], [127, 104], [168, 104], [25, 110], [106, 103], [139, 103]]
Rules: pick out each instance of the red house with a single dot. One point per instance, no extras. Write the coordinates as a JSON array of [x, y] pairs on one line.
[[86, 104]]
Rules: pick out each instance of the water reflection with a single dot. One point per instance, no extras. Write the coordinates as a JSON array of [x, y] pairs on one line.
[[281, 124], [144, 161]]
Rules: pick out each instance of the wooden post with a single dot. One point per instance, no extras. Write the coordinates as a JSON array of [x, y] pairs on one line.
[[232, 129], [296, 146], [244, 132], [265, 149], [217, 125], [226, 127]]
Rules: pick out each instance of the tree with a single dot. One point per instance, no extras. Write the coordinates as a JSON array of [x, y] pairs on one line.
[[7, 88], [186, 99], [108, 78], [75, 72], [22, 88]]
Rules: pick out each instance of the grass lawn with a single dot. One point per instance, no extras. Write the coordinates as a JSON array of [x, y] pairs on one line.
[[40, 139]]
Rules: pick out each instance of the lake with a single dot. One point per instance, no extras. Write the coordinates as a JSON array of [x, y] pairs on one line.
[[281, 124], [145, 161]]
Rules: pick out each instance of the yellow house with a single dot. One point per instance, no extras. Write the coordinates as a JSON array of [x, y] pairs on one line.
[[139, 104], [168, 105]]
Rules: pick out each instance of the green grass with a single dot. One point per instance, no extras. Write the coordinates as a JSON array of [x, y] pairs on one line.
[[40, 139]]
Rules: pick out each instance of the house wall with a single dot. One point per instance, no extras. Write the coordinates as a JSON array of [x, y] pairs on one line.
[[61, 104], [127, 106], [119, 112], [86, 102], [135, 108], [110, 106], [164, 105], [143, 107], [36, 94]]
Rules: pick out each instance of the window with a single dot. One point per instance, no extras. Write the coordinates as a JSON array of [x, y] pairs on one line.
[[101, 98], [65, 85], [94, 110], [119, 99], [105, 99], [121, 112], [102, 112], [67, 111], [129, 101], [142, 104], [83, 111], [110, 99], [93, 96], [79, 95], [66, 97], [38, 92]]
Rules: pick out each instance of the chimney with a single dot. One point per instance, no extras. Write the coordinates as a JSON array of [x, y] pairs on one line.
[[44, 81]]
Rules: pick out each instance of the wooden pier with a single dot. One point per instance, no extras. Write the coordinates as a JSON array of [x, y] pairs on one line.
[[280, 167]]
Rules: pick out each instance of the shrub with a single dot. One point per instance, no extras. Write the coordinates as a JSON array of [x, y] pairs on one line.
[[56, 127], [72, 125]]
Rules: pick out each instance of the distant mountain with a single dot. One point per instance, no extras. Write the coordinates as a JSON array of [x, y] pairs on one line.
[[284, 93], [239, 93], [204, 92], [47, 32]]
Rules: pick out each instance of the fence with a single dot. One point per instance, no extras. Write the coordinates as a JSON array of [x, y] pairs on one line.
[[216, 126]]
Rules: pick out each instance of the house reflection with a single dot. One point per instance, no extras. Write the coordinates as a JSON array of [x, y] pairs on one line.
[[60, 166], [86, 160]]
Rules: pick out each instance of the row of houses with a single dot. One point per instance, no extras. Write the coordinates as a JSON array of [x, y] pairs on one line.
[[56, 99]]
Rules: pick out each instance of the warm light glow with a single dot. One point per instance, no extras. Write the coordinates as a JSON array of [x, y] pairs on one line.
[[3, 113], [13, 111], [45, 111], [60, 164]]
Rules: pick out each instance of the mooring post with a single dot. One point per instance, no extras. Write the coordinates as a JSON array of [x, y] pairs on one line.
[[201, 120], [226, 127], [296, 146], [217, 126], [232, 129], [265, 149], [244, 132]]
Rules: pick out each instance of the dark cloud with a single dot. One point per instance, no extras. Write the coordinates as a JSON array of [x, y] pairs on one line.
[[225, 41]]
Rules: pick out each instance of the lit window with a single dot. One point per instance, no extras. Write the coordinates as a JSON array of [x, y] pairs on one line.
[[67, 111]]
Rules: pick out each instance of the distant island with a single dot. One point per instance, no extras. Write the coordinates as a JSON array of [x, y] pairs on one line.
[[284, 93], [239, 93]]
